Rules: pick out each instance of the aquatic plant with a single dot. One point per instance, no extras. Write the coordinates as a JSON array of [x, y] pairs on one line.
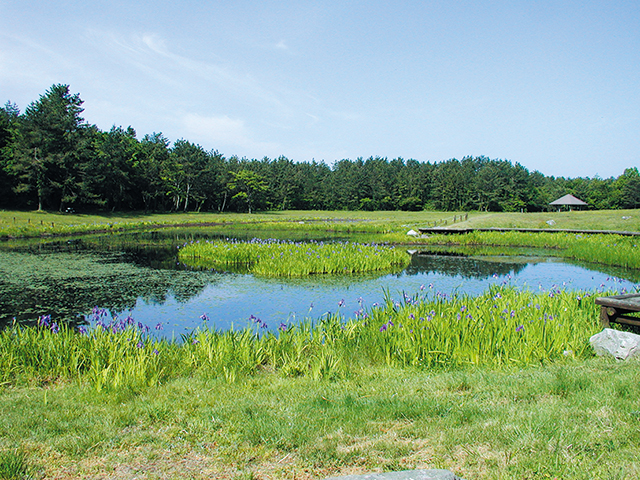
[[604, 249], [116, 353], [426, 330], [274, 258], [503, 326]]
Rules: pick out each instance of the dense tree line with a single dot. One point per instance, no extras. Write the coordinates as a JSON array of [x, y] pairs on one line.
[[50, 158]]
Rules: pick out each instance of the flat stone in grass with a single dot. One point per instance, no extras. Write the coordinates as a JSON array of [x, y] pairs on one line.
[[404, 475]]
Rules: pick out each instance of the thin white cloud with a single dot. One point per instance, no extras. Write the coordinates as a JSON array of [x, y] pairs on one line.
[[219, 83], [281, 45], [216, 129], [156, 44], [142, 51], [223, 130], [26, 63]]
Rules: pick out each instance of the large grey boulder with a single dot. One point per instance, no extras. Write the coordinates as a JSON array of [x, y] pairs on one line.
[[404, 475], [621, 345]]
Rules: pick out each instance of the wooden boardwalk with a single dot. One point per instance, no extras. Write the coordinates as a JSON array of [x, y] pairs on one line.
[[618, 308], [457, 231]]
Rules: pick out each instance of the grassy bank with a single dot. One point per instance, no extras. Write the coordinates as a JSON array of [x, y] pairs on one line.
[[604, 249], [502, 327], [618, 220], [33, 224]]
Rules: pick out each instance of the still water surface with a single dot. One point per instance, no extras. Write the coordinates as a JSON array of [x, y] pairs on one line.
[[138, 275]]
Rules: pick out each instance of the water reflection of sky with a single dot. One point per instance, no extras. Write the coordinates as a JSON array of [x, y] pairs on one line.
[[140, 274], [233, 299]]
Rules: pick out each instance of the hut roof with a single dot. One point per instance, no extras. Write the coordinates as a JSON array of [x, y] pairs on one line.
[[568, 200]]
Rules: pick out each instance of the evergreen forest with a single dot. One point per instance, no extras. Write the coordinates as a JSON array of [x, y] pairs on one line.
[[51, 159]]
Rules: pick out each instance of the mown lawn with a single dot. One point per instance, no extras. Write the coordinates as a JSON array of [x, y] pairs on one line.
[[32, 223], [618, 220]]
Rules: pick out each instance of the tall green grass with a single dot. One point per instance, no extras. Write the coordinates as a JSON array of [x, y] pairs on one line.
[[118, 355], [503, 327], [272, 258]]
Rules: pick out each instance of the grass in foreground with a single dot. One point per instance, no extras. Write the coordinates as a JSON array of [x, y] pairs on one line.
[[14, 465], [575, 419]]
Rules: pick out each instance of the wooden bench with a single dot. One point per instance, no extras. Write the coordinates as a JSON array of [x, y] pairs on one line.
[[619, 308]]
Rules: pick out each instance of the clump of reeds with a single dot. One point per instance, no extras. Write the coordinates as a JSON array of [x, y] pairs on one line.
[[114, 354], [274, 258]]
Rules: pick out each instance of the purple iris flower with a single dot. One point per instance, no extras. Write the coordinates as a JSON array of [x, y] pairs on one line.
[[44, 320]]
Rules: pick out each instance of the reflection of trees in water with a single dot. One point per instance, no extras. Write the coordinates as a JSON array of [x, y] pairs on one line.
[[457, 265], [66, 276], [64, 283]]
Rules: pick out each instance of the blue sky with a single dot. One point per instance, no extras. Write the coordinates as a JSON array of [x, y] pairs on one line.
[[553, 85]]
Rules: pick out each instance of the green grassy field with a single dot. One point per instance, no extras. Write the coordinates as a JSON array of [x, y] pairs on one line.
[[33, 223], [500, 386], [618, 220], [25, 224], [570, 420]]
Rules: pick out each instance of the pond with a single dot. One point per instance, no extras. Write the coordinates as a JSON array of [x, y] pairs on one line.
[[139, 275]]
